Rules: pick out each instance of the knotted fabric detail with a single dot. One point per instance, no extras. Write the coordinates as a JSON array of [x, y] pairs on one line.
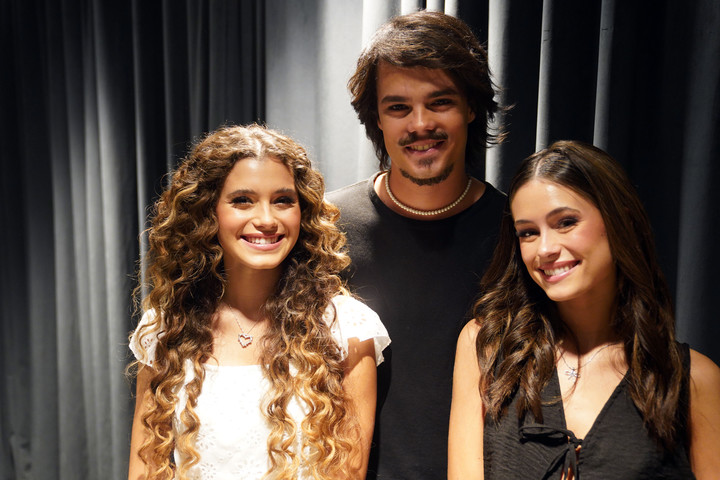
[[536, 432]]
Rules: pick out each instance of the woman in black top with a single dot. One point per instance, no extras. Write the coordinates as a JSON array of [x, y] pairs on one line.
[[570, 368]]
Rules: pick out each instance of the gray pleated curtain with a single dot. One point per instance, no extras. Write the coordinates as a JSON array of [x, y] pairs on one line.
[[99, 100]]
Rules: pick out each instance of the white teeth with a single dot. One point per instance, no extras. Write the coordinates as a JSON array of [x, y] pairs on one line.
[[422, 148], [262, 240], [557, 271]]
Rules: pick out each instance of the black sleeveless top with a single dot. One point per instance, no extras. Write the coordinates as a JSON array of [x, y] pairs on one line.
[[617, 446]]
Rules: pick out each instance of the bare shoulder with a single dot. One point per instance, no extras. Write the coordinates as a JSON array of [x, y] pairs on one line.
[[704, 416], [704, 373], [469, 333]]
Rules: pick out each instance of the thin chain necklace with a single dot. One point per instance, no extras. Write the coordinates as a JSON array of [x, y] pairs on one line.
[[572, 372], [244, 339], [424, 212]]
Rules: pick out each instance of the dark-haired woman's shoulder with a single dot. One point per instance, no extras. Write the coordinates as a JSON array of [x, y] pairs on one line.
[[469, 333], [704, 416]]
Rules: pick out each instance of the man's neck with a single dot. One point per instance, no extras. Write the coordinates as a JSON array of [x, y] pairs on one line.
[[428, 202]]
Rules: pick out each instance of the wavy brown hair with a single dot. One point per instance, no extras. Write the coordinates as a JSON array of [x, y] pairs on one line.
[[186, 281], [520, 327], [432, 40]]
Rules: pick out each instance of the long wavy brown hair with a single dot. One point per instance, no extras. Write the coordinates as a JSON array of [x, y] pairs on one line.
[[185, 279], [432, 40], [519, 324]]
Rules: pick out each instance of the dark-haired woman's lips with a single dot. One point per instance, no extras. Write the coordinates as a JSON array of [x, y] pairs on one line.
[[558, 271]]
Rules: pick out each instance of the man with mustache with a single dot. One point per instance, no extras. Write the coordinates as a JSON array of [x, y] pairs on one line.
[[421, 231]]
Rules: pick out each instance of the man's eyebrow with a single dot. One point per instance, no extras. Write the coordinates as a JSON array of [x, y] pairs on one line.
[[435, 94], [444, 92]]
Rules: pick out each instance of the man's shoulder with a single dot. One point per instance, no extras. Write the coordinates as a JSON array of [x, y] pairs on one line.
[[493, 193], [354, 201], [348, 193], [491, 203]]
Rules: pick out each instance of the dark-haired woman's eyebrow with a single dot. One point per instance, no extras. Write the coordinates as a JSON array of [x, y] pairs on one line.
[[521, 222], [559, 210]]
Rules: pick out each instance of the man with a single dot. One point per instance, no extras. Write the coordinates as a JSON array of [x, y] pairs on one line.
[[421, 231]]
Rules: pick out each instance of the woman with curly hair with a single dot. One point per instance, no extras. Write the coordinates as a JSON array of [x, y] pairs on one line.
[[570, 367], [252, 359]]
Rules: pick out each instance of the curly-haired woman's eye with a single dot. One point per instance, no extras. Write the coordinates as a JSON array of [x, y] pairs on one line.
[[241, 200], [286, 200]]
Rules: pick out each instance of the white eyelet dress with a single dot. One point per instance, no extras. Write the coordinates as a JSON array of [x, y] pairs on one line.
[[232, 438]]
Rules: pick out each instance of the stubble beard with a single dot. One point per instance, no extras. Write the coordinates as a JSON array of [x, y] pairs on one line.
[[423, 182]]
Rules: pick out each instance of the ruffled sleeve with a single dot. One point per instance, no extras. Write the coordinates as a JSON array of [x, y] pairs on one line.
[[144, 339], [357, 320]]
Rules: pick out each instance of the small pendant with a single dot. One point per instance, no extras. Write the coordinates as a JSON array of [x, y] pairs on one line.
[[244, 339], [572, 373]]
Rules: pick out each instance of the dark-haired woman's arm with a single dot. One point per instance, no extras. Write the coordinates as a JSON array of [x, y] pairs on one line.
[[465, 442], [704, 417]]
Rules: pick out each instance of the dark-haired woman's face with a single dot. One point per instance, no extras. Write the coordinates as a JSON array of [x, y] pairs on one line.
[[258, 215], [563, 243]]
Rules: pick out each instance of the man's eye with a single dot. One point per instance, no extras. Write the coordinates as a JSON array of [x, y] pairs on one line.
[[397, 108], [442, 101]]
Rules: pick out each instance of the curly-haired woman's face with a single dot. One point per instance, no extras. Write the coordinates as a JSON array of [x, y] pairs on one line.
[[563, 243], [258, 216]]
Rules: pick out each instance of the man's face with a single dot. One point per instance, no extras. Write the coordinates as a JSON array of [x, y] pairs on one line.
[[424, 119]]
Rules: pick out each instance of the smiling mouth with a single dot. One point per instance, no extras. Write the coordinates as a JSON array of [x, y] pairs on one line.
[[423, 148], [551, 272], [264, 240]]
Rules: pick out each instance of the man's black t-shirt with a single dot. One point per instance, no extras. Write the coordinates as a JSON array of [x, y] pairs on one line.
[[421, 278]]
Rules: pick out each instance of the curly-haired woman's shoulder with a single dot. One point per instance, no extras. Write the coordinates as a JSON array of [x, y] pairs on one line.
[[350, 308], [144, 339], [354, 319]]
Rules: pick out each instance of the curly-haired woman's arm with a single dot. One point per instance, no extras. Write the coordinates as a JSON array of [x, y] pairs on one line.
[[465, 442], [137, 468], [360, 383], [704, 417]]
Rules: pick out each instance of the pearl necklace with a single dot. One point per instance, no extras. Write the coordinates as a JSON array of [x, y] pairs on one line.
[[572, 372], [425, 212]]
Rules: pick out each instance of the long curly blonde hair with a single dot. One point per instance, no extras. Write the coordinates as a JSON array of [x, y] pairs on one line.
[[185, 278]]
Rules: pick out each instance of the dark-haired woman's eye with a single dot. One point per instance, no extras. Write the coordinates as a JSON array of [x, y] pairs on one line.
[[526, 233], [567, 222]]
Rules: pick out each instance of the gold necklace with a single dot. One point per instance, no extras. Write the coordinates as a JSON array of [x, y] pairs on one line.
[[244, 339], [425, 212]]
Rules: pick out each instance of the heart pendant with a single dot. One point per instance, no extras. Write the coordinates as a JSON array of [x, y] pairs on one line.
[[244, 339]]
